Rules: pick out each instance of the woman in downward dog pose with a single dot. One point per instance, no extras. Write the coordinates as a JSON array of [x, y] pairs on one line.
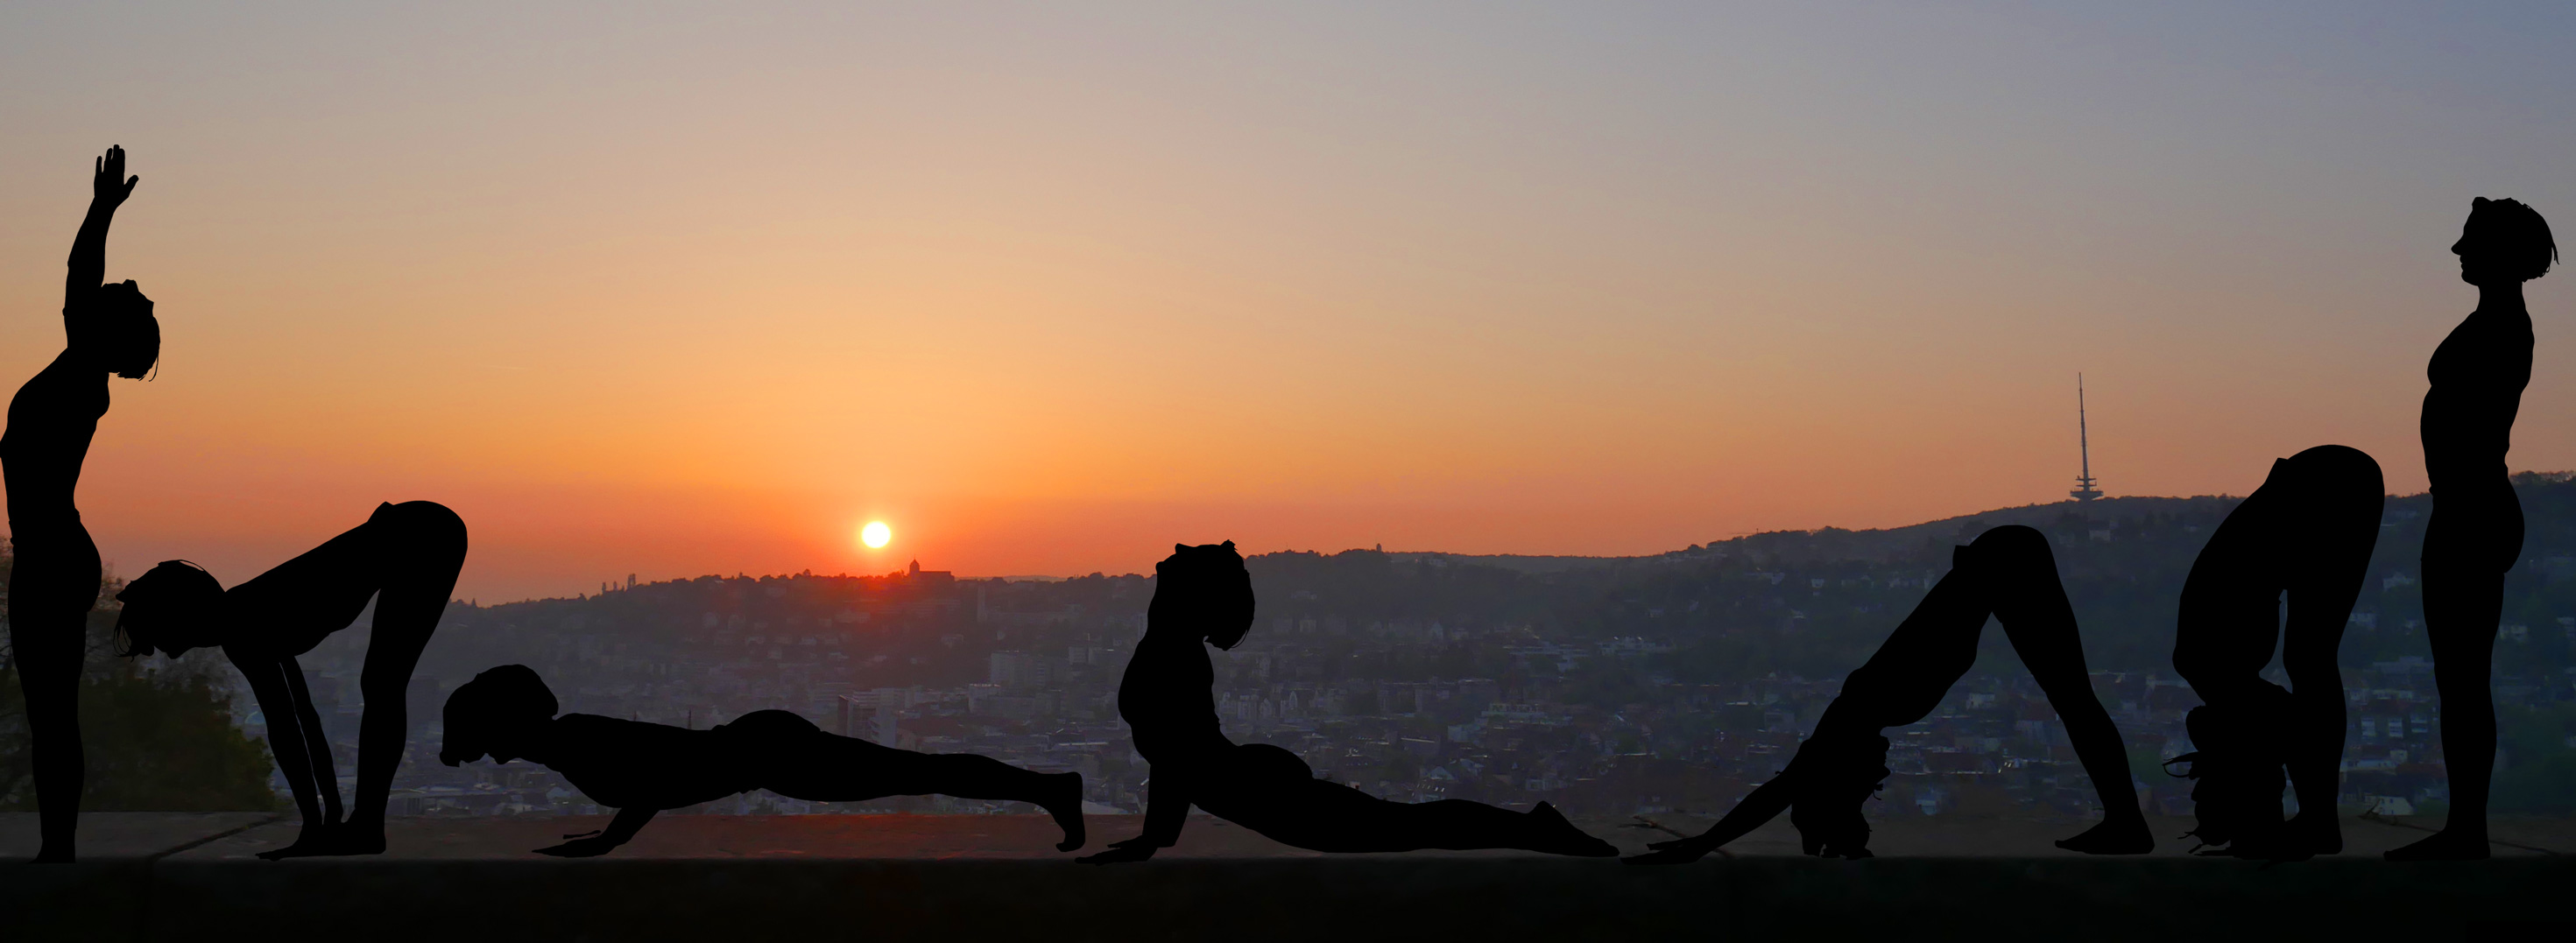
[[1203, 596], [640, 769], [55, 580], [2007, 573], [2475, 532], [405, 557]]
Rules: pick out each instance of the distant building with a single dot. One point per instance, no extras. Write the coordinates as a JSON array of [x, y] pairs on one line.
[[1015, 670]]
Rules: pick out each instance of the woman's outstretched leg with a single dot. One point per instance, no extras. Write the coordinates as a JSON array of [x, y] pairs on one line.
[[1269, 790], [419, 547], [2030, 601], [1346, 820], [821, 767]]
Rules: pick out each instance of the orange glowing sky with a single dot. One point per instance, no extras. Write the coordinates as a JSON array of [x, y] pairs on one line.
[[674, 292]]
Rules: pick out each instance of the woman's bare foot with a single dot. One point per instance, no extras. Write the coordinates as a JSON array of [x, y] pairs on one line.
[[2444, 845], [2314, 833], [358, 840], [1067, 809], [2113, 837], [1559, 837], [303, 848], [313, 842]]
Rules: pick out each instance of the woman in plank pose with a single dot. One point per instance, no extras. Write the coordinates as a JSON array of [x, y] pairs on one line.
[[54, 581], [2008, 573], [1203, 596], [2475, 531], [640, 769], [405, 557]]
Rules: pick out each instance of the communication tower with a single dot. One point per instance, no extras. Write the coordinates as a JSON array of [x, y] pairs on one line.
[[2084, 489]]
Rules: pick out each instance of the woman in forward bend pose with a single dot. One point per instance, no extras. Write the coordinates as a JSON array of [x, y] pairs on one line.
[[2475, 532], [2008, 573], [1203, 597], [640, 769], [2305, 534], [406, 557], [55, 580]]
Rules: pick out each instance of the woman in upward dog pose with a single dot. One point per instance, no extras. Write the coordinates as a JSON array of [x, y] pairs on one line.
[[1203, 596], [55, 580], [2008, 573], [405, 557], [2475, 532], [2305, 534], [640, 769]]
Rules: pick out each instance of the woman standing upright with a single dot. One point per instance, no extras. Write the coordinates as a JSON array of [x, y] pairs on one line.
[[2475, 532], [54, 581]]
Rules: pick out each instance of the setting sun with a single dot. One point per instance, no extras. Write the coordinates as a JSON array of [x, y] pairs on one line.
[[876, 535]]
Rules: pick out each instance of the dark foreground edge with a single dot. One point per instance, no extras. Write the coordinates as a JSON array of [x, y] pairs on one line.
[[1371, 897]]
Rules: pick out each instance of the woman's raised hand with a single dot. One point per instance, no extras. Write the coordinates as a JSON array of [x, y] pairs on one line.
[[110, 186]]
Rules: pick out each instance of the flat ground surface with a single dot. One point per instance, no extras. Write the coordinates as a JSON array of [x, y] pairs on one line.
[[237, 836], [191, 876]]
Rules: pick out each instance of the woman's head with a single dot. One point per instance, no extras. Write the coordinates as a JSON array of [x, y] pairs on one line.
[[482, 716], [120, 334], [171, 609], [1207, 588], [2504, 242]]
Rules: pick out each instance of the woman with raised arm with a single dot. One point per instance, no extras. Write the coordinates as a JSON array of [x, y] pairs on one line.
[[2475, 532], [640, 769], [55, 580], [2007, 573], [1202, 597], [405, 557]]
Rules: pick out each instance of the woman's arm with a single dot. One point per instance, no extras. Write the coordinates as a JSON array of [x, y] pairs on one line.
[[620, 830], [317, 746], [108, 189], [286, 733], [1167, 807], [1765, 803]]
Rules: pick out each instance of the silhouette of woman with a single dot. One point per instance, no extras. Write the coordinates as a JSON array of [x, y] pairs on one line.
[[2307, 533], [2008, 573], [55, 580], [405, 557], [2475, 532], [1203, 596], [640, 769]]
